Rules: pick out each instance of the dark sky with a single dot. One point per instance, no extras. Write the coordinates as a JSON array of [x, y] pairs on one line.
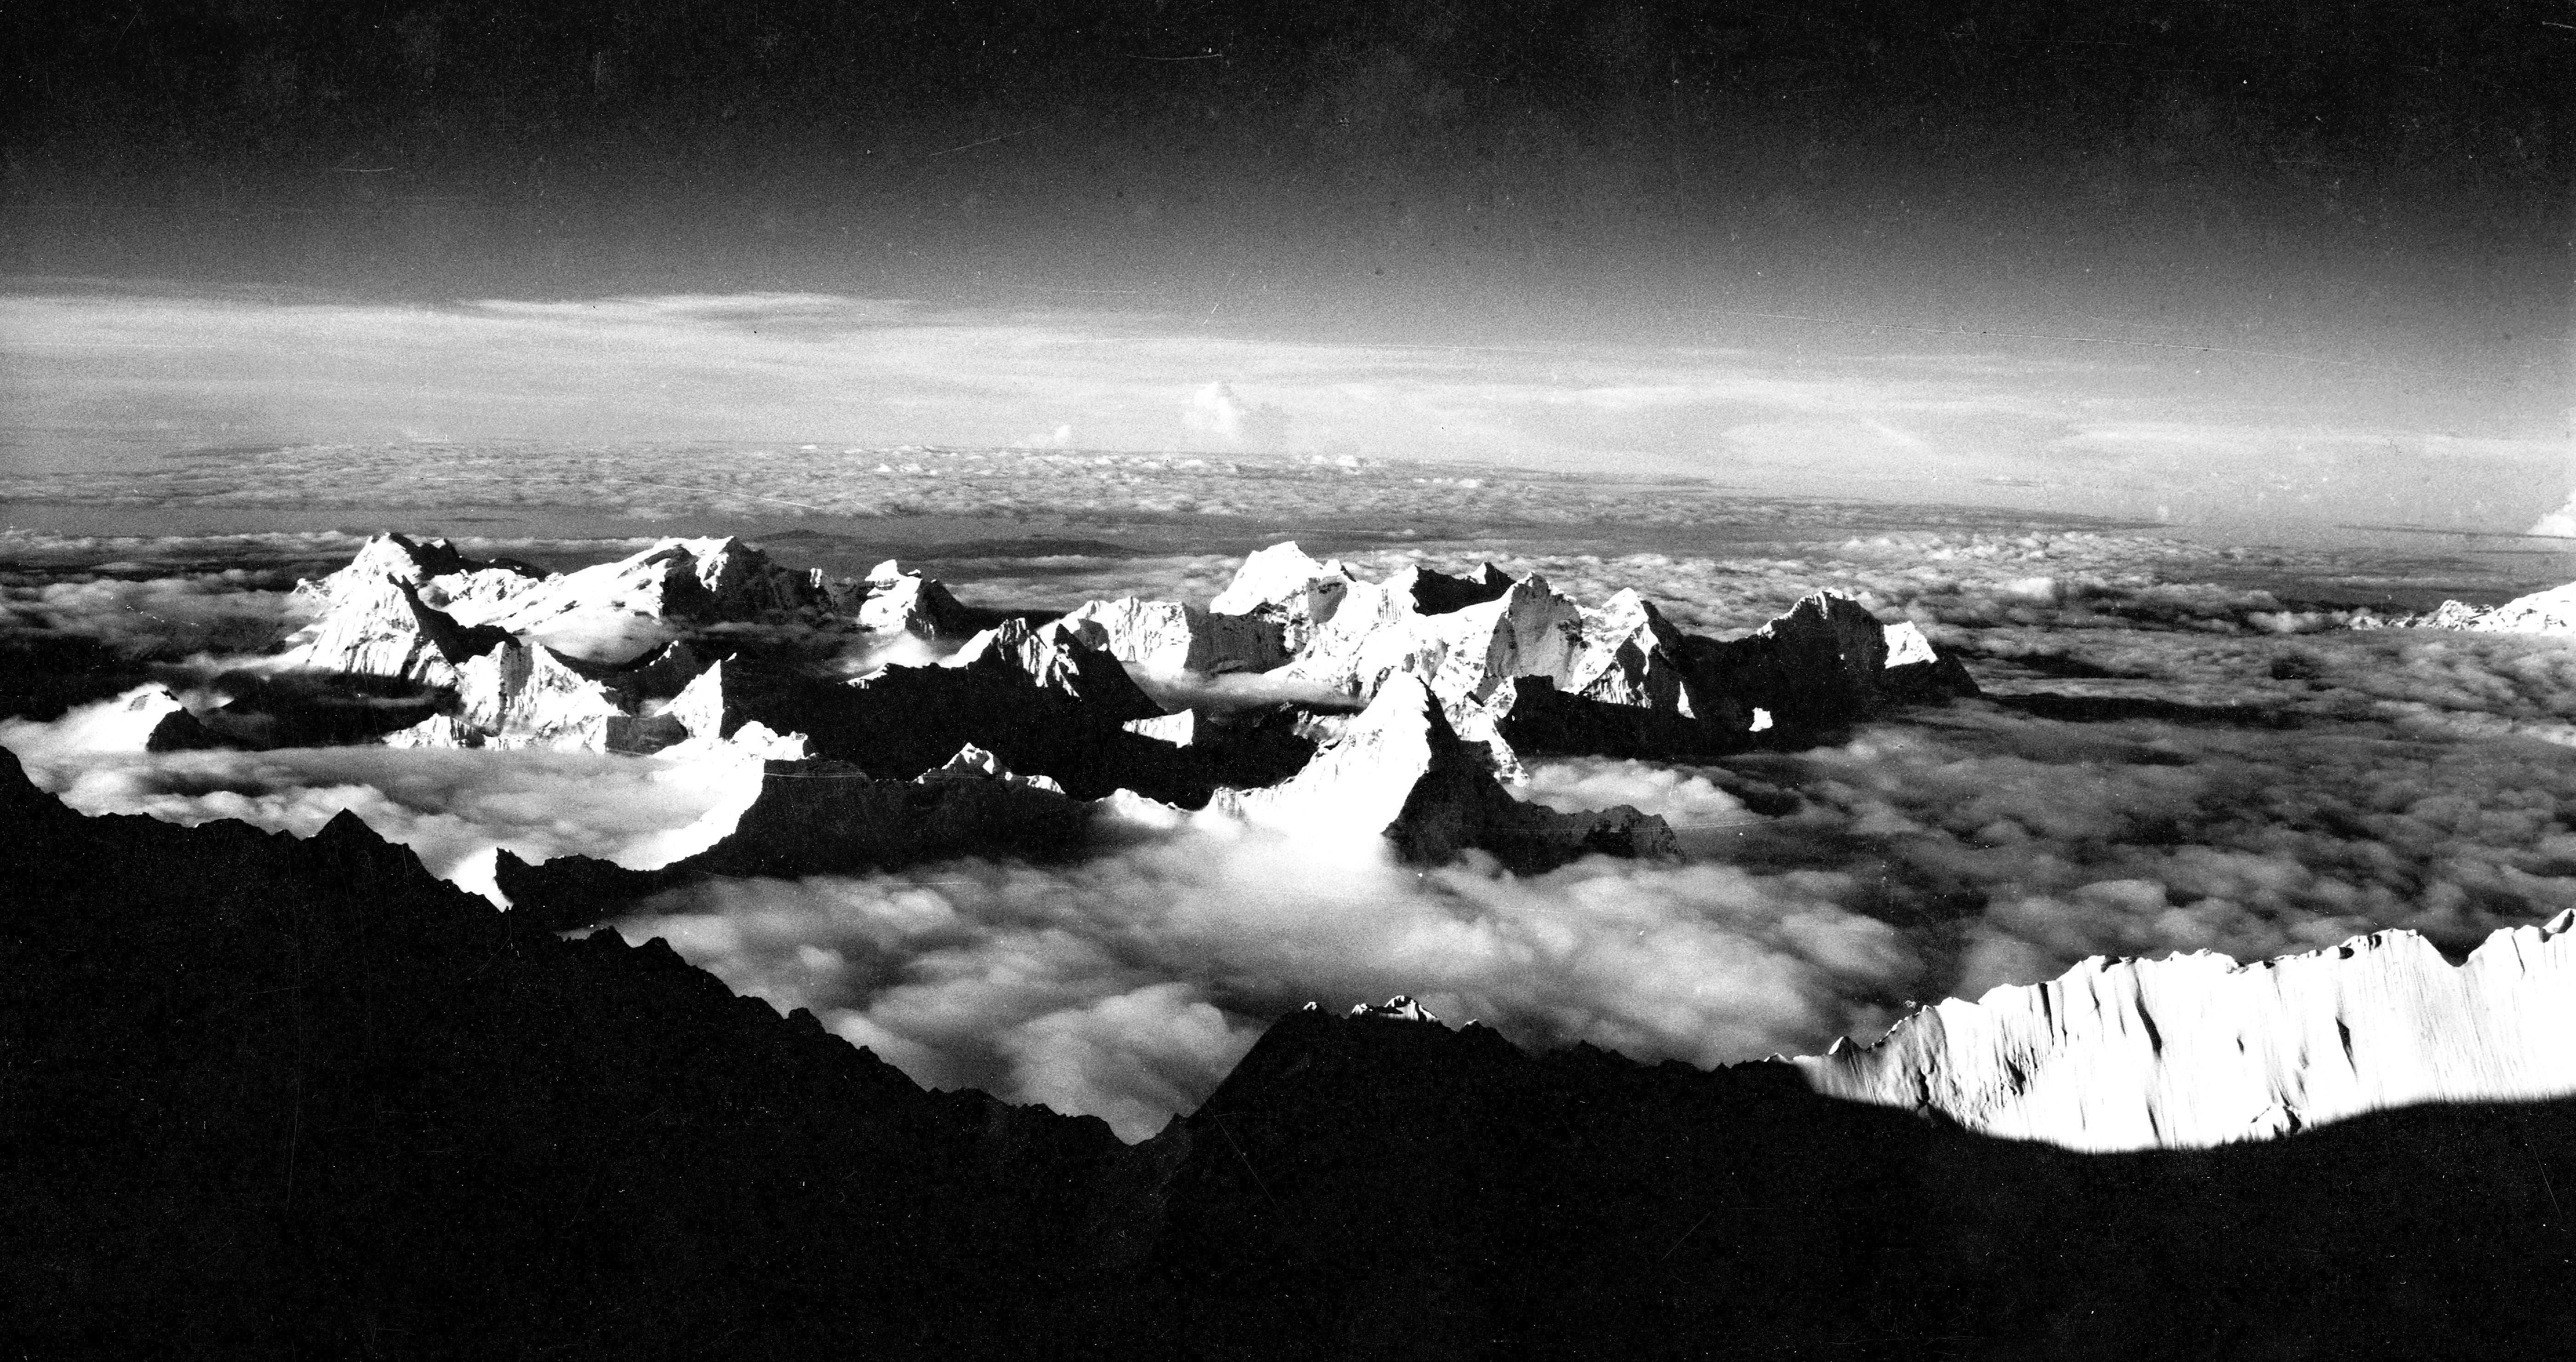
[[584, 144], [2374, 195]]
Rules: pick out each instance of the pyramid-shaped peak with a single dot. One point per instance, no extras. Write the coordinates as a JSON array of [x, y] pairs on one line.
[[1270, 576]]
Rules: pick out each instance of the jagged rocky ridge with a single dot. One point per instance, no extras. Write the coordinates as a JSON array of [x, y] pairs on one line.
[[2542, 612], [269, 1096], [1302, 698], [2198, 1050]]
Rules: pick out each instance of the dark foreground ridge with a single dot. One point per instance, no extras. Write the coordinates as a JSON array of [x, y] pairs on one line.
[[268, 1097]]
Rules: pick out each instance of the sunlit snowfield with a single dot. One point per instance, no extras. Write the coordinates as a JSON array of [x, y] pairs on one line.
[[2182, 747]]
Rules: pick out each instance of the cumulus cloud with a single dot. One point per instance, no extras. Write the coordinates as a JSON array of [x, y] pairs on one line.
[[1059, 438], [1216, 410], [2558, 524]]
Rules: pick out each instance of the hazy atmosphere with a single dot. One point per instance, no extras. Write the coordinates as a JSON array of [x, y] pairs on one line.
[[2133, 352], [2263, 271]]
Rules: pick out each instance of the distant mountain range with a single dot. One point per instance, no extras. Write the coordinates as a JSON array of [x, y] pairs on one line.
[[2542, 612]]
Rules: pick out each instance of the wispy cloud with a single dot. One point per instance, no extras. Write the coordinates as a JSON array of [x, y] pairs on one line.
[[126, 375]]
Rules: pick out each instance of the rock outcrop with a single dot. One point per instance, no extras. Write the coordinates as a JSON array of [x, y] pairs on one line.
[[2199, 1050]]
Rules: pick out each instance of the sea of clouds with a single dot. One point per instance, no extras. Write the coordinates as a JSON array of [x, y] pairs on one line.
[[2173, 756]]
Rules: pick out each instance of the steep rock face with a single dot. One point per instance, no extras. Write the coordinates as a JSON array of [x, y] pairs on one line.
[[1527, 630], [512, 691], [1628, 655], [1823, 666], [1532, 715], [1437, 593], [388, 625], [400, 608], [824, 817], [1815, 668], [593, 659], [1062, 658], [1397, 771], [531, 696], [2198, 1050], [444, 575], [388, 612], [901, 602], [1520, 667], [376, 631], [1168, 636], [1186, 658], [1463, 653], [425, 613], [524, 694], [1918, 671], [2542, 612], [1282, 585], [614, 612]]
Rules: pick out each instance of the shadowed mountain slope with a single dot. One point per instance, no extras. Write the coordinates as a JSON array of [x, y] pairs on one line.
[[266, 1096]]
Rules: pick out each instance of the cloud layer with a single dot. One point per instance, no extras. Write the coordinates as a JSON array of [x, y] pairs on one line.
[[1165, 957], [300, 401], [2176, 753], [451, 807]]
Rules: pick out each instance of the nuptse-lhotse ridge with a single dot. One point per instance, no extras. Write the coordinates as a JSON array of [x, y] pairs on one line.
[[870, 723]]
